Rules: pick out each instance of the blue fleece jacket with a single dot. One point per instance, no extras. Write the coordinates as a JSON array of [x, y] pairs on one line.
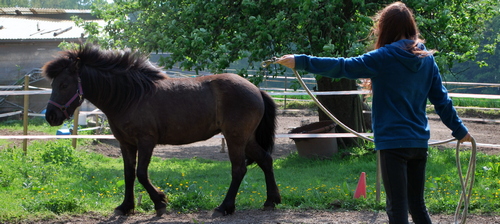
[[401, 84]]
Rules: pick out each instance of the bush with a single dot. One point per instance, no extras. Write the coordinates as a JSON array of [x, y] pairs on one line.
[[59, 154], [55, 205]]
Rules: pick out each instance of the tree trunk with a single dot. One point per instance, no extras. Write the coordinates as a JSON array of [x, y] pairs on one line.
[[348, 109]]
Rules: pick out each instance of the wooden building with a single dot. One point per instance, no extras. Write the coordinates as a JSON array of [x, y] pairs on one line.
[[28, 39]]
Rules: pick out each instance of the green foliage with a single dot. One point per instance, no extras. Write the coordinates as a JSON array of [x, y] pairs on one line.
[[188, 200], [59, 154], [65, 46], [486, 68], [211, 35], [55, 205], [6, 176]]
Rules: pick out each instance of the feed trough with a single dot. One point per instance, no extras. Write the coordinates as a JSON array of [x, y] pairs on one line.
[[316, 147]]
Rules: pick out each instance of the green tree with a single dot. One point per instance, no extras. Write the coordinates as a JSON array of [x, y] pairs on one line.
[[210, 34], [487, 68]]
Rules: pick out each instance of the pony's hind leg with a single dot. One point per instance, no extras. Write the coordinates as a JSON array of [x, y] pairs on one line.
[[265, 162], [159, 198]]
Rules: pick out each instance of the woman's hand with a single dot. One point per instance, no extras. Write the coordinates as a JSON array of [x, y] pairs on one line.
[[467, 138], [287, 60]]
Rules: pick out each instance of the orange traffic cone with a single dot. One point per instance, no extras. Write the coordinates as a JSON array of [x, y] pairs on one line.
[[361, 188]]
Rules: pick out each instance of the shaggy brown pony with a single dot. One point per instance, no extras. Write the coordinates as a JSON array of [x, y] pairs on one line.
[[144, 108]]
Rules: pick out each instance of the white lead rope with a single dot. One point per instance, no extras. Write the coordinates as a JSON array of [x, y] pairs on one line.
[[466, 185]]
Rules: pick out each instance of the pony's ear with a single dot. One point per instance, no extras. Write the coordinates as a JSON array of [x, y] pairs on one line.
[[74, 64], [82, 46]]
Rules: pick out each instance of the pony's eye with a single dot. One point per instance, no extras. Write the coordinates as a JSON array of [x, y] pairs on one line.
[[64, 86]]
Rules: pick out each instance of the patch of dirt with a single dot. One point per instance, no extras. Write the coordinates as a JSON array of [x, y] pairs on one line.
[[263, 217], [485, 133], [17, 143]]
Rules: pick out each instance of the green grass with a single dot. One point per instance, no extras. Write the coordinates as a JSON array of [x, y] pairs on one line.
[[300, 102], [474, 102], [35, 124], [53, 179], [294, 104], [298, 97], [472, 112]]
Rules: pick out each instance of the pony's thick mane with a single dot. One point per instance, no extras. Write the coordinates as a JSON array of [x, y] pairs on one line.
[[117, 79]]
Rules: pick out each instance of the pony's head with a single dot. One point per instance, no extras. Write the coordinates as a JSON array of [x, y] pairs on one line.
[[67, 93], [113, 80]]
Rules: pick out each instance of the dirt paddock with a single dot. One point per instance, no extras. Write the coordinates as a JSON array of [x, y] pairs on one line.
[[265, 217], [484, 133]]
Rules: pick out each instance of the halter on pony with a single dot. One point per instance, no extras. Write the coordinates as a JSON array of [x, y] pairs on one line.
[[78, 94]]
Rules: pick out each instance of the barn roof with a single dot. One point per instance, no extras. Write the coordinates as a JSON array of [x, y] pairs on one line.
[[38, 11], [27, 24]]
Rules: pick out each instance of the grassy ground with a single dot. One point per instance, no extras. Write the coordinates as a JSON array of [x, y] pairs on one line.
[[54, 179]]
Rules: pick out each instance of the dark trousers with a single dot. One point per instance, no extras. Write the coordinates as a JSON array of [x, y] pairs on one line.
[[403, 173]]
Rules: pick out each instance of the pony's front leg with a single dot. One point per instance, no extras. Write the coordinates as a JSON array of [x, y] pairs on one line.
[[228, 205], [238, 171], [159, 198], [129, 162]]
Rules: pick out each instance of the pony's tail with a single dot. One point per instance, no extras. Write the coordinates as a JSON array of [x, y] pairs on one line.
[[266, 130]]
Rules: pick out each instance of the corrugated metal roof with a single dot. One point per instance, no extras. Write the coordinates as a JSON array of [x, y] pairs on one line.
[[30, 24], [21, 28], [36, 11]]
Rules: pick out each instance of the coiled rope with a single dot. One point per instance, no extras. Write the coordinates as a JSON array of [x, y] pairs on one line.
[[466, 184]]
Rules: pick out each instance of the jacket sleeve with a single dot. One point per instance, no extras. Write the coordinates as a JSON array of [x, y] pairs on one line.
[[438, 96], [364, 66]]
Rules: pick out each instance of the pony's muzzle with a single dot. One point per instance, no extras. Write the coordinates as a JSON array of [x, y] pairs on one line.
[[54, 116]]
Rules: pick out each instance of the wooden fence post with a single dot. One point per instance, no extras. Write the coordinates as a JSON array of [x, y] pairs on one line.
[[25, 113], [75, 125]]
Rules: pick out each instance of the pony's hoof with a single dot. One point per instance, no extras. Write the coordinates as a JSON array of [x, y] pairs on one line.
[[161, 211], [268, 208], [217, 213], [119, 212], [122, 213]]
